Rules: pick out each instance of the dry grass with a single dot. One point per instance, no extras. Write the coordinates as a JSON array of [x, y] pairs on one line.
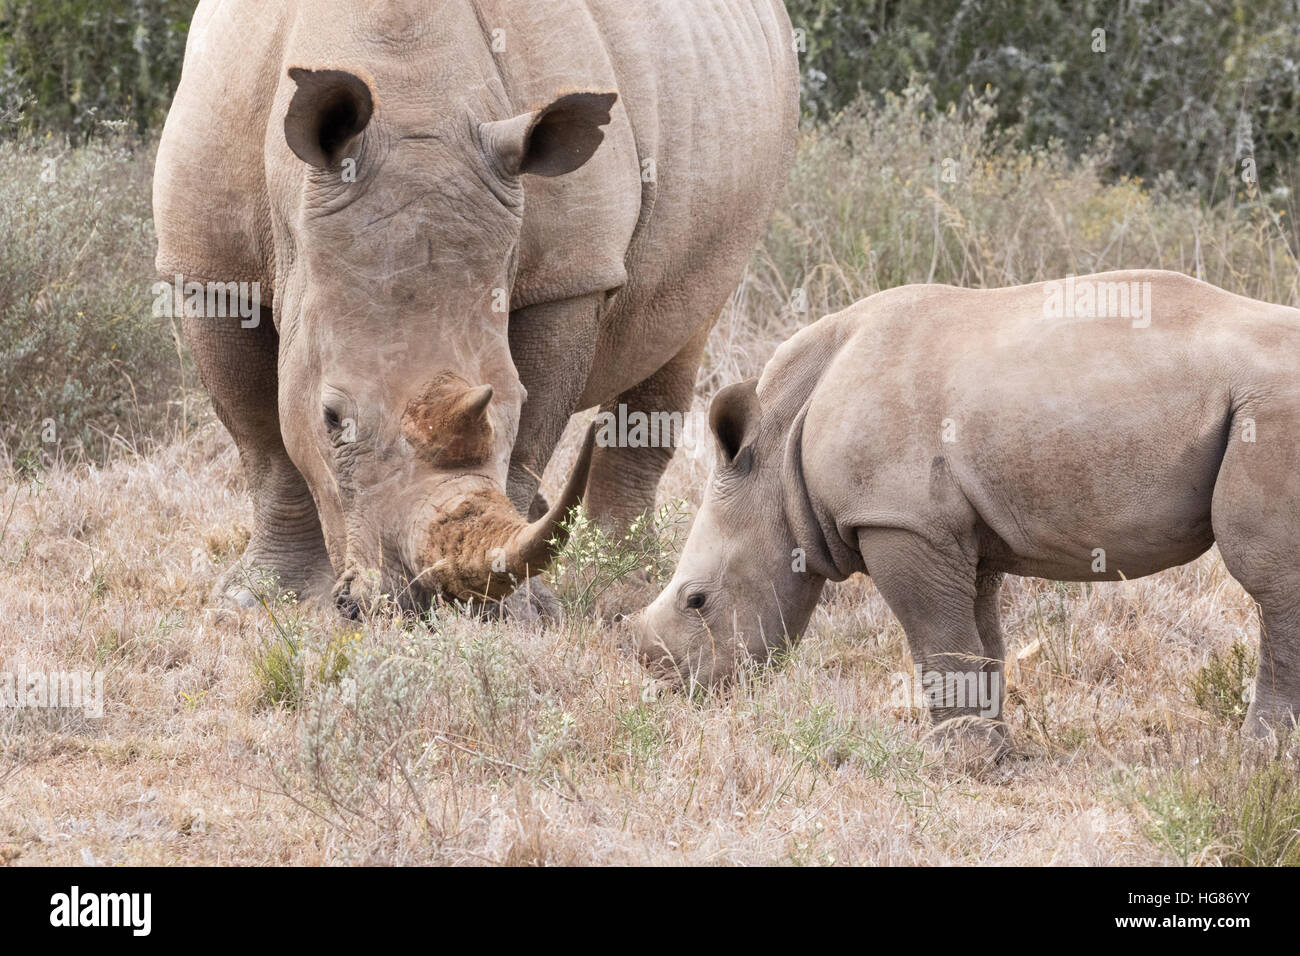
[[464, 742], [278, 736]]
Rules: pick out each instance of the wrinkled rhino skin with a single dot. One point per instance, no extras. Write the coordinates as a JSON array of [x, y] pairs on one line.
[[938, 438], [468, 221]]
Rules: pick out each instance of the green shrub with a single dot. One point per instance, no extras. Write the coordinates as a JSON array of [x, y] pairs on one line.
[[1220, 686], [1226, 808], [296, 659], [1186, 89], [82, 359], [66, 65], [594, 561]]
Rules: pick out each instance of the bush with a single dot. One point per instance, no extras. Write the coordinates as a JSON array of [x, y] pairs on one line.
[[66, 65], [903, 190], [594, 561], [1221, 687], [1190, 89], [82, 359], [1227, 808]]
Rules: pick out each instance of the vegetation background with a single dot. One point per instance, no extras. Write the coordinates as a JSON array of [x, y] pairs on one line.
[[1172, 98], [976, 142]]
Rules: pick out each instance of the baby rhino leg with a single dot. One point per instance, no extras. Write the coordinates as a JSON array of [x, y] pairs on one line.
[[988, 590], [934, 594]]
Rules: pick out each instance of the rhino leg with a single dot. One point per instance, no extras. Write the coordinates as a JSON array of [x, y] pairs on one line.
[[988, 620], [1257, 527], [952, 629], [238, 368], [552, 345], [624, 481]]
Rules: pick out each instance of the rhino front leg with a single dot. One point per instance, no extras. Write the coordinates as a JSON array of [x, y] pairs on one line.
[[238, 368], [624, 481], [934, 593], [553, 346], [988, 620]]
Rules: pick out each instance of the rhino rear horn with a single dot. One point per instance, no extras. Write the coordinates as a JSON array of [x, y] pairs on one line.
[[473, 405], [449, 423], [552, 141], [329, 110]]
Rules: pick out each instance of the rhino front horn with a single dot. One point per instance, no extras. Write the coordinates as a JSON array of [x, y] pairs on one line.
[[536, 546], [478, 546]]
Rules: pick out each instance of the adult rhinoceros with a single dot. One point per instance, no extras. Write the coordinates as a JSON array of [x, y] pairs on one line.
[[468, 220]]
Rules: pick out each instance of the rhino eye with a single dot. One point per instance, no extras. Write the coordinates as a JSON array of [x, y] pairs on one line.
[[695, 601], [332, 420]]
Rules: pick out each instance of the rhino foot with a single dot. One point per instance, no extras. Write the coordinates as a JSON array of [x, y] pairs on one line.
[[973, 745], [247, 584], [534, 603], [1270, 730]]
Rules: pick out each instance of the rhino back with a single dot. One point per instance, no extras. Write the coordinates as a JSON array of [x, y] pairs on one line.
[[1060, 435], [712, 91]]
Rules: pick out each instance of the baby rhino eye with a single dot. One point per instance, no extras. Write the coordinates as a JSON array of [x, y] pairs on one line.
[[695, 601], [333, 421]]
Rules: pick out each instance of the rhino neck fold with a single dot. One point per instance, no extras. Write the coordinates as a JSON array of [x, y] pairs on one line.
[[826, 553]]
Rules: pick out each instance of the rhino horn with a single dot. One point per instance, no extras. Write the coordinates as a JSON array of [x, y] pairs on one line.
[[536, 545], [472, 407], [481, 547], [449, 424]]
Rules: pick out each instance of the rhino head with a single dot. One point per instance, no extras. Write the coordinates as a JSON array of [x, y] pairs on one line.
[[742, 590], [396, 252]]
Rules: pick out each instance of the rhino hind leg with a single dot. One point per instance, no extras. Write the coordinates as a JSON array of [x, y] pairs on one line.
[[949, 613], [238, 368], [1257, 527]]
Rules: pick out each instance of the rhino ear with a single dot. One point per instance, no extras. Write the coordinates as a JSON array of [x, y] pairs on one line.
[[734, 416], [329, 111], [552, 141]]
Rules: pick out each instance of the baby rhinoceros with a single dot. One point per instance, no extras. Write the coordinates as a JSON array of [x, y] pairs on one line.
[[1097, 429]]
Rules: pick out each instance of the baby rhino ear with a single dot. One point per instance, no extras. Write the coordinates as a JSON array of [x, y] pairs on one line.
[[552, 141], [734, 417]]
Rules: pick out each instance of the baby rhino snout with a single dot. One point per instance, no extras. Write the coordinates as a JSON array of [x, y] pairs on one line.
[[649, 644], [642, 644]]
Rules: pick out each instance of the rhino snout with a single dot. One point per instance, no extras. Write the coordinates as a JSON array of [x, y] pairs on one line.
[[650, 648], [674, 648]]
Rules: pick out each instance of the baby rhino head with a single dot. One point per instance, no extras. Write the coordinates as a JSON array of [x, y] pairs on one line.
[[741, 592]]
